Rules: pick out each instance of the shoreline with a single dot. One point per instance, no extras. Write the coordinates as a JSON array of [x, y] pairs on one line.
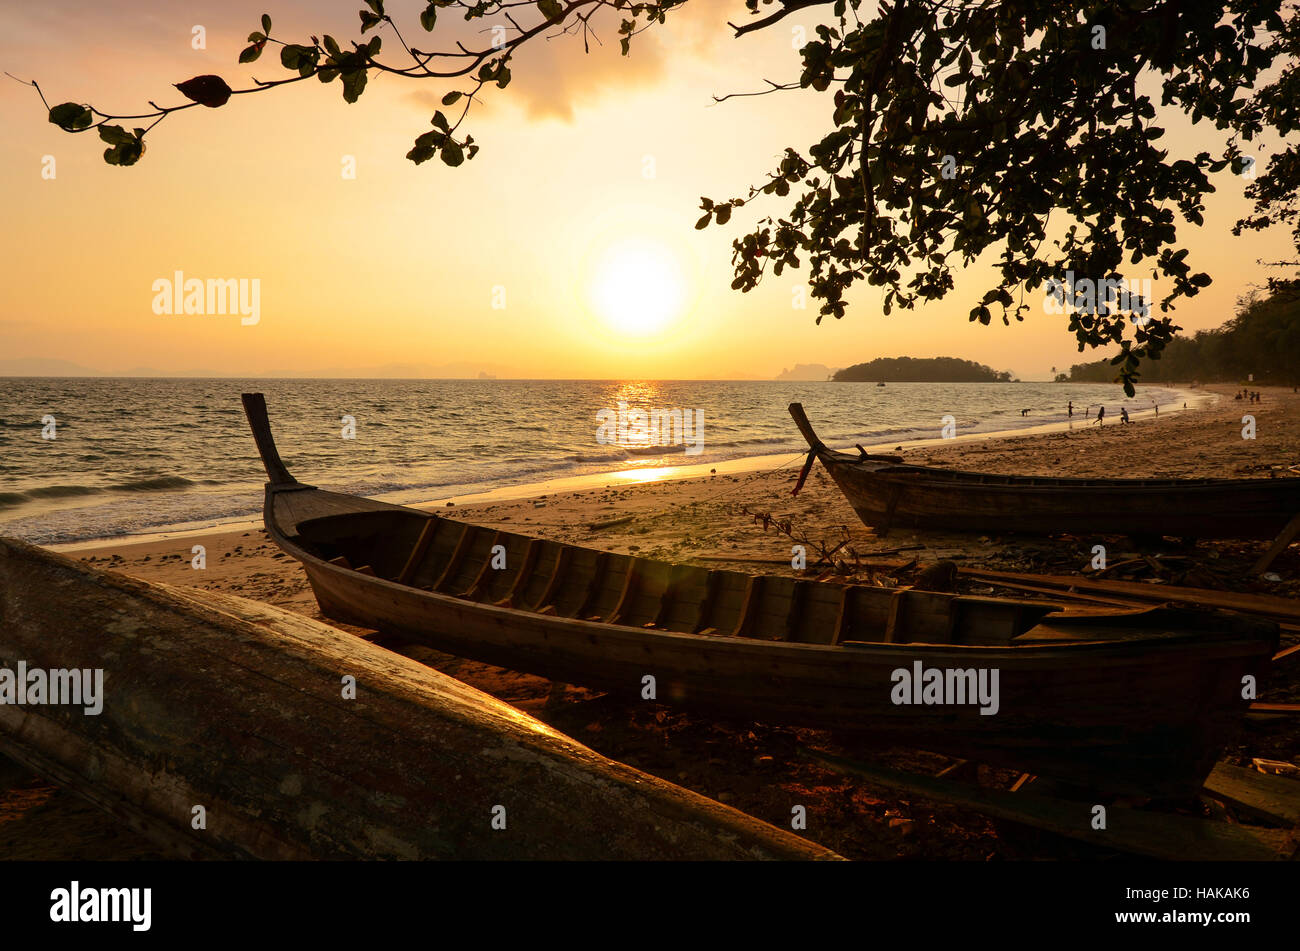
[[1196, 399]]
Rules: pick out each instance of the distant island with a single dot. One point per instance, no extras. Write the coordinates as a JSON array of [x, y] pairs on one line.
[[921, 370], [817, 372], [1262, 341]]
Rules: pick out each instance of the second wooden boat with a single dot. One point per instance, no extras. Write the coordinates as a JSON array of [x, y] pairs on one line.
[[888, 493], [1136, 702]]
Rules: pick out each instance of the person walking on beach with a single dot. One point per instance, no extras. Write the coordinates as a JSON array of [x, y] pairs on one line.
[[1123, 414], [1070, 409], [1101, 415]]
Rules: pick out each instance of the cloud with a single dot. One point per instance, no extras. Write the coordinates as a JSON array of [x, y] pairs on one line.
[[556, 75]]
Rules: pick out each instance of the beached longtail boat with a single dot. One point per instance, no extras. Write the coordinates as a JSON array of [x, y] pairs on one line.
[[208, 700], [888, 493], [1134, 702]]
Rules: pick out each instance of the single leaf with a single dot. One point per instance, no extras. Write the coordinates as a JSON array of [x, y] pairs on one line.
[[210, 91], [724, 214], [354, 84], [429, 17], [126, 153], [451, 98], [421, 154], [71, 116], [266, 23], [452, 153], [115, 135], [251, 53], [551, 9], [440, 121]]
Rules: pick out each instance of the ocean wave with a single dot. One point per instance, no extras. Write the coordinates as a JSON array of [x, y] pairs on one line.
[[161, 483]]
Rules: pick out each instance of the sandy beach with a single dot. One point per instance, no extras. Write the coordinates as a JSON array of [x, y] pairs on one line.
[[719, 518]]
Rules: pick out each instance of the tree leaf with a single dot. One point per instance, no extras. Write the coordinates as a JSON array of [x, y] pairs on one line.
[[251, 53], [125, 153], [451, 98], [440, 121], [452, 153], [210, 91], [551, 9], [115, 135], [71, 116], [266, 23], [354, 84], [429, 17]]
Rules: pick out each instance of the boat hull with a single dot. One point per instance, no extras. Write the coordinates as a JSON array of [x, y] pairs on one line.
[[888, 498], [1145, 718], [888, 494]]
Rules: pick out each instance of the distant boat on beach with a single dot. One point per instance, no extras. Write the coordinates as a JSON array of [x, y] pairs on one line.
[[888, 493]]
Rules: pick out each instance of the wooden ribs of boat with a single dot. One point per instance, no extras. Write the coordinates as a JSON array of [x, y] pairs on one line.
[[214, 701], [887, 493], [1133, 701]]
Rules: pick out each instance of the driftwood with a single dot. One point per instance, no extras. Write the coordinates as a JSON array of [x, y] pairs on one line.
[[610, 523], [210, 700]]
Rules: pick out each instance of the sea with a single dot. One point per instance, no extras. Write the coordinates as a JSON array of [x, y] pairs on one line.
[[98, 458]]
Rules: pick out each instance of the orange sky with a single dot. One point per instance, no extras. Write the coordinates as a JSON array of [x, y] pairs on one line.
[[400, 265]]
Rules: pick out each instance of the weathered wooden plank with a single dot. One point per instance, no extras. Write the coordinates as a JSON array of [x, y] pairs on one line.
[[422, 544], [1257, 794], [1280, 544], [1266, 604]]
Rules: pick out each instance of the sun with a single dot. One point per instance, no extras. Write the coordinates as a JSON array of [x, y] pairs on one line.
[[636, 287]]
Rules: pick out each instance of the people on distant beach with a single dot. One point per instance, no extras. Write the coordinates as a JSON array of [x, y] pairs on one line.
[[1101, 416], [1024, 412], [1123, 415], [1070, 409]]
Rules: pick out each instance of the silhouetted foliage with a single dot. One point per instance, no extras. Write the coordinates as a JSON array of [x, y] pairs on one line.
[[1263, 339]]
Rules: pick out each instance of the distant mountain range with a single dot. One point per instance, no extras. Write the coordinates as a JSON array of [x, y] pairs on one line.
[[816, 372]]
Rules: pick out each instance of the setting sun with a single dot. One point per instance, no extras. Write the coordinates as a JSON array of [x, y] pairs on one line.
[[636, 287]]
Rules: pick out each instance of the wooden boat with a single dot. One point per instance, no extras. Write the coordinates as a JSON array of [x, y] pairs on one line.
[[210, 700], [887, 493], [1130, 701]]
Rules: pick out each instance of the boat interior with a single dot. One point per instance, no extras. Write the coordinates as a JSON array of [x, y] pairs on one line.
[[458, 559]]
